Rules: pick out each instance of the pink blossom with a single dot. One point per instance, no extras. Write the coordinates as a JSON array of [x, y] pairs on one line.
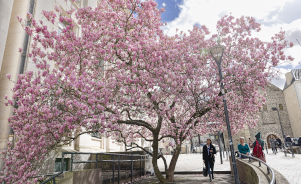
[[134, 84], [8, 76]]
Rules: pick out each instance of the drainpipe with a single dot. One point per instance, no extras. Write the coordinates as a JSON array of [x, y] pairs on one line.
[[26, 39]]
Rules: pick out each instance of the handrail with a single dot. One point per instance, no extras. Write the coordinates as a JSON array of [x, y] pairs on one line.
[[97, 161], [273, 181]]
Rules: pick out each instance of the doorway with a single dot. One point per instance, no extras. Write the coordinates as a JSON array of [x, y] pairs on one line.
[[268, 138]]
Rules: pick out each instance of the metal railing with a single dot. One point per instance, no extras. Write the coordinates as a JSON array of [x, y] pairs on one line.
[[273, 180], [96, 161]]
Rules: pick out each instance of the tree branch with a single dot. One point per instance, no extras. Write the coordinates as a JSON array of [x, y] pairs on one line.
[[136, 122]]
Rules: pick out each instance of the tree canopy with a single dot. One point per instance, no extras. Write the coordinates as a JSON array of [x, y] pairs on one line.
[[125, 78]]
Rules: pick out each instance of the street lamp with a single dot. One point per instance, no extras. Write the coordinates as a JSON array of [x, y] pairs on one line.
[[275, 109], [217, 54]]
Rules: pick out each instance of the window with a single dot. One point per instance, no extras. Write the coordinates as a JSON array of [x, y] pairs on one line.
[[265, 108], [58, 164], [96, 135], [281, 107], [61, 27]]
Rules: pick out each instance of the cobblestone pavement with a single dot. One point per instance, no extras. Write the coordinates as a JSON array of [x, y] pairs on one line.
[[194, 162], [288, 166], [192, 179]]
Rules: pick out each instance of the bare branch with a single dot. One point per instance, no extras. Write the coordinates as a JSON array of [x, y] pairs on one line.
[[138, 123]]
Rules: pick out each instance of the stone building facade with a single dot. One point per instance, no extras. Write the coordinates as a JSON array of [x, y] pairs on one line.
[[273, 119]]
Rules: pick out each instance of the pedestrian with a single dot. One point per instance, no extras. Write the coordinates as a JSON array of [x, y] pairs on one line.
[[208, 157], [258, 138], [243, 148], [272, 141], [258, 147], [278, 142], [299, 141], [288, 141]]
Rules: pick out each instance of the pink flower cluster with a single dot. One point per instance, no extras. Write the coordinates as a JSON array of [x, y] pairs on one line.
[[126, 79]]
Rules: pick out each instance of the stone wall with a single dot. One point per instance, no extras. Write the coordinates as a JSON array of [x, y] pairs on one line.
[[269, 119], [246, 172], [268, 122]]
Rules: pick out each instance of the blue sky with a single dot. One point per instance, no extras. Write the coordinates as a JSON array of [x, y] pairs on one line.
[[272, 14], [172, 9]]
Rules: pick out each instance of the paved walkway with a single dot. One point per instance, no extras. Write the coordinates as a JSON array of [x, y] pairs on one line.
[[289, 167], [192, 179], [194, 162]]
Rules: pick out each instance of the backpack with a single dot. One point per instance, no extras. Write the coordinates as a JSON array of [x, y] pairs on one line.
[[257, 151]]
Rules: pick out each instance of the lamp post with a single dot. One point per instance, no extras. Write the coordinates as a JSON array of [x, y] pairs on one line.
[[275, 109], [217, 54]]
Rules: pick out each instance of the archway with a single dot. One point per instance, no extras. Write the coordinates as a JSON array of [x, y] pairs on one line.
[[268, 142]]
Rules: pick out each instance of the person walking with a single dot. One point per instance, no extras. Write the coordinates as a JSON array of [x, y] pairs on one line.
[[272, 141], [208, 157], [278, 143]]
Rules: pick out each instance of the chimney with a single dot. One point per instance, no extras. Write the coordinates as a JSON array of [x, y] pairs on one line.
[[289, 78]]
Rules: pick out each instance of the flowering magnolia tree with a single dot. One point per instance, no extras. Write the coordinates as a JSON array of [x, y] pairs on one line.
[[125, 78]]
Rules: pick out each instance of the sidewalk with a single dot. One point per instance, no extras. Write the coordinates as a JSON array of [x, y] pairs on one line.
[[191, 179], [194, 162], [289, 167]]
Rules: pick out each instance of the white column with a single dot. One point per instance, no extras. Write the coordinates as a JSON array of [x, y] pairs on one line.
[[6, 7]]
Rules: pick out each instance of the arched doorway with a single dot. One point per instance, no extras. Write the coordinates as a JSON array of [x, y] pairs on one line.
[[268, 138]]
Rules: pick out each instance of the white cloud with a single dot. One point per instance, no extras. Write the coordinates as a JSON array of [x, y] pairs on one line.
[[208, 12], [163, 4]]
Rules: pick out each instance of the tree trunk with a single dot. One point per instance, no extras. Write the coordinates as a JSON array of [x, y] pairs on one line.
[[171, 169], [155, 159]]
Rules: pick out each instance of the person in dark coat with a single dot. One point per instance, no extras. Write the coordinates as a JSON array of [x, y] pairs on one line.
[[288, 141], [278, 143], [299, 141], [208, 157]]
